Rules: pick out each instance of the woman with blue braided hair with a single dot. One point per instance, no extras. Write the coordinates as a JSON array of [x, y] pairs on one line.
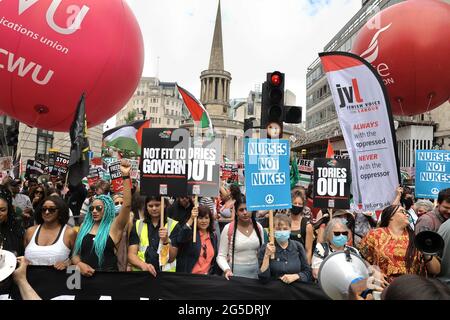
[[101, 232]]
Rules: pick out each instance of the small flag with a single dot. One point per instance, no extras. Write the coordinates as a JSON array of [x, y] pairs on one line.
[[126, 138], [295, 175], [330, 151], [197, 110]]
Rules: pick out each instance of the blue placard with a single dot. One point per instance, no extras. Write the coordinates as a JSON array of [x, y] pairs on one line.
[[267, 175], [432, 172]]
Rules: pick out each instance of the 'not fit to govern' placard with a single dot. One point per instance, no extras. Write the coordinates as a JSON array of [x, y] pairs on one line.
[[267, 174]]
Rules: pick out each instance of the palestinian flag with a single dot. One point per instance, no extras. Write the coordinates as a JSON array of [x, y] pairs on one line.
[[197, 110], [127, 137]]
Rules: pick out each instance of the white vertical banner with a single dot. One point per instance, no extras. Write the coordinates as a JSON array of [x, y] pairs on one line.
[[367, 125]]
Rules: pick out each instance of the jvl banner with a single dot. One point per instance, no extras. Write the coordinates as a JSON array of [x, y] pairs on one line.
[[332, 183], [116, 177], [267, 175], [163, 162], [432, 173], [366, 121]]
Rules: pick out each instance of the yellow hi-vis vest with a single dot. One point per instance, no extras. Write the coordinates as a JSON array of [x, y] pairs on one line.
[[142, 232]]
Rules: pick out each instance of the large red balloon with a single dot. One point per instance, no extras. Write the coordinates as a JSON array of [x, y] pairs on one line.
[[52, 51], [408, 43]]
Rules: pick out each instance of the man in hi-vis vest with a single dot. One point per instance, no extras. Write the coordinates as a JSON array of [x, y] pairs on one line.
[[153, 248]]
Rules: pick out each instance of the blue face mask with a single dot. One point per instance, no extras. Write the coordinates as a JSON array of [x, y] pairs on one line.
[[117, 208], [282, 235], [340, 241]]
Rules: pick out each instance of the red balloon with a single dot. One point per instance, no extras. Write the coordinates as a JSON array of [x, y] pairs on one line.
[[53, 51], [408, 43]]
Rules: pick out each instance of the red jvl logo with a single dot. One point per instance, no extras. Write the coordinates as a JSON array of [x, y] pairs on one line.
[[348, 93]]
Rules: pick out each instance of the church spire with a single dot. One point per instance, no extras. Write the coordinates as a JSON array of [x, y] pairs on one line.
[[216, 60]]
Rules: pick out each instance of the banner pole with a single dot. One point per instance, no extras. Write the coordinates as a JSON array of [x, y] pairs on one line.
[[194, 238], [271, 231], [161, 225]]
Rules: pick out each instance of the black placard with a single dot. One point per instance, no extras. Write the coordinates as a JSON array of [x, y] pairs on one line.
[[332, 183]]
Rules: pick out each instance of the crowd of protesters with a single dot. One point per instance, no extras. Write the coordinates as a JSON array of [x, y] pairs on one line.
[[97, 230]]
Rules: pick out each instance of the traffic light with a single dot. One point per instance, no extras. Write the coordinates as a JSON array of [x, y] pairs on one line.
[[272, 105], [293, 114], [12, 136]]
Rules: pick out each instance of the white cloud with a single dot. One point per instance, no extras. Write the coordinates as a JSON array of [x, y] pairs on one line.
[[180, 32]]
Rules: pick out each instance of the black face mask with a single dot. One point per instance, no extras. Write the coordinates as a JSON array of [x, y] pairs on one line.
[[408, 203], [296, 210]]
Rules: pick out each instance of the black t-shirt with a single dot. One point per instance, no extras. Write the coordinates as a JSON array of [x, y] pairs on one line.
[[179, 213], [151, 255], [88, 255], [11, 237]]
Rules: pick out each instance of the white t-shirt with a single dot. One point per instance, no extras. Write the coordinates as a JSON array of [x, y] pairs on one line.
[[245, 250]]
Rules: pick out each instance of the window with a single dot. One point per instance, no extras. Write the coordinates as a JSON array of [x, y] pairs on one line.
[[44, 142], [168, 121]]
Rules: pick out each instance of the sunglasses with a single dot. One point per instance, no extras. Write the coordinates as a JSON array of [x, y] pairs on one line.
[[118, 203], [205, 255], [39, 192], [338, 233], [51, 210], [97, 208]]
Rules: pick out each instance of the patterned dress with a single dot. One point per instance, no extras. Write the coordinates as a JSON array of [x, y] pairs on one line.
[[387, 251]]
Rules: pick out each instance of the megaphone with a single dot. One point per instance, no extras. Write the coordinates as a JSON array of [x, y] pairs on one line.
[[338, 271], [429, 243], [43, 179], [8, 263]]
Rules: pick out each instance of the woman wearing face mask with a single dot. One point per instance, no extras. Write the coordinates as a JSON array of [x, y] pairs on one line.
[[101, 232], [336, 236], [302, 230], [290, 263]]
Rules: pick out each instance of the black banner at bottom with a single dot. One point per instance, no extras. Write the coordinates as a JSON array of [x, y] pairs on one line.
[[52, 284]]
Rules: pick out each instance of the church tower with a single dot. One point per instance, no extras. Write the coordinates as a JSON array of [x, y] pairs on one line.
[[215, 95], [215, 82]]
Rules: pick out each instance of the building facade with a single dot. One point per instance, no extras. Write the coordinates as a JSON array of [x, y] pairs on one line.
[[34, 143], [155, 100], [322, 124]]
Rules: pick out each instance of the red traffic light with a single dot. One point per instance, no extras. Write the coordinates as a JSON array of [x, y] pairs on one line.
[[276, 79]]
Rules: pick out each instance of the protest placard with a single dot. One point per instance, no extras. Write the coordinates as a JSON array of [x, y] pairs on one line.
[[163, 165], [332, 180], [432, 173], [116, 177], [267, 175]]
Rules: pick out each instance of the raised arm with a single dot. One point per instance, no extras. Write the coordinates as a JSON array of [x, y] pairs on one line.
[[124, 215]]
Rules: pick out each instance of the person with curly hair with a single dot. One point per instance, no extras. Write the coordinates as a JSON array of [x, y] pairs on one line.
[[391, 247]]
